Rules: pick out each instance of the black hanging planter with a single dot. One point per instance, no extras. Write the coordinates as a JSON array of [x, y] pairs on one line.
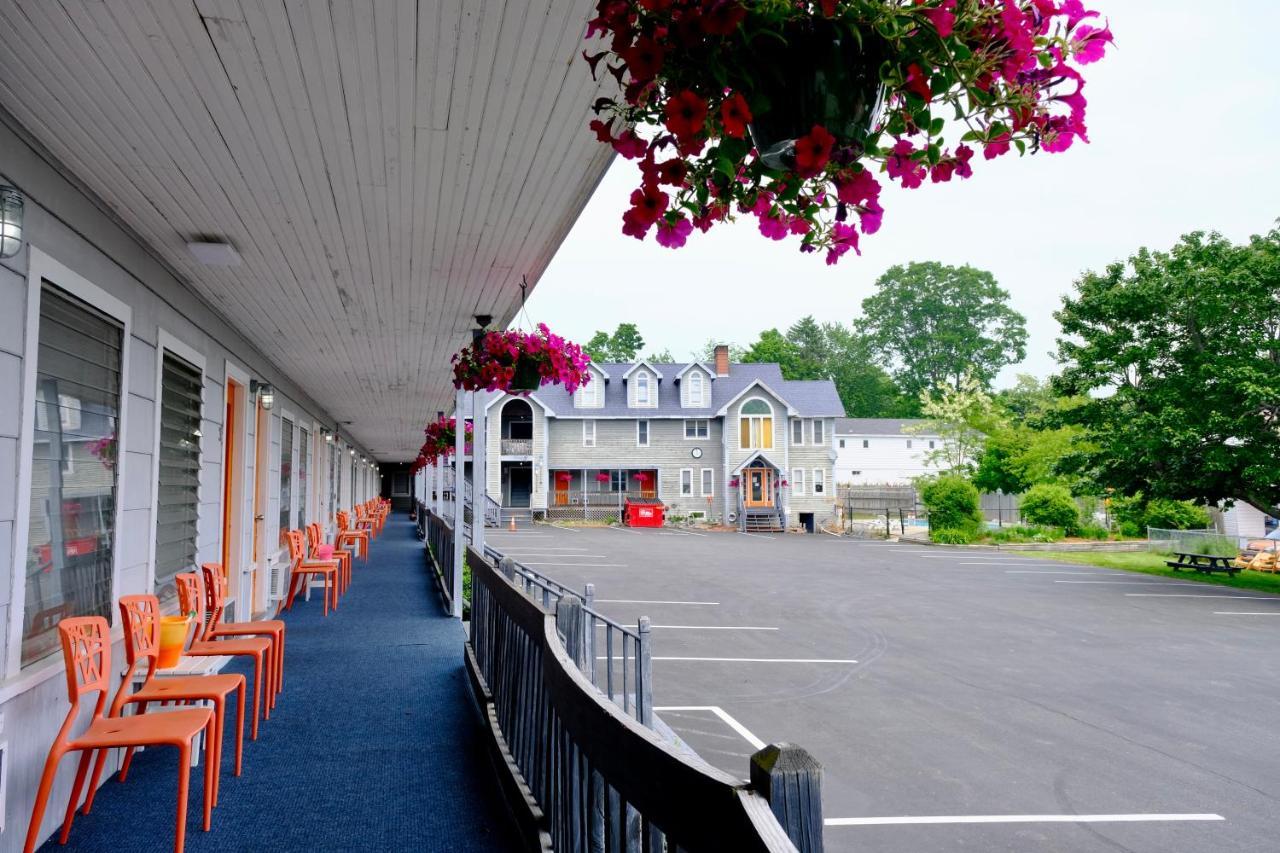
[[526, 378], [820, 75]]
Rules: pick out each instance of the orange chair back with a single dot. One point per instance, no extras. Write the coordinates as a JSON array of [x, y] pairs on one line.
[[86, 651], [313, 536], [344, 520], [140, 616], [189, 600], [296, 552], [214, 600]]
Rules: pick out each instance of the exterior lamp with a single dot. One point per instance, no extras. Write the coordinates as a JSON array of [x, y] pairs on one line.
[[10, 221], [266, 394], [353, 451]]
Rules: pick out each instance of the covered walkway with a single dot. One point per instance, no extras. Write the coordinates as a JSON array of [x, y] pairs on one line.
[[371, 747]]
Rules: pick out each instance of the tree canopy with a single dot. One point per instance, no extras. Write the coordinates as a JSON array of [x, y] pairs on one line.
[[930, 323], [1179, 353], [622, 345]]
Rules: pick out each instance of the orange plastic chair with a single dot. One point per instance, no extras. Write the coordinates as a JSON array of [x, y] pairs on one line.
[[365, 519], [315, 538], [348, 535], [215, 584], [302, 568], [86, 651], [189, 601], [140, 616]]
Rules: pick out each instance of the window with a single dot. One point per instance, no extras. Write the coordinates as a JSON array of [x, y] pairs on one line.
[[708, 481], [819, 481], [696, 429], [797, 431], [842, 444], [931, 445], [588, 395], [286, 474], [797, 481], [695, 388], [686, 481], [178, 463], [333, 478], [71, 525], [642, 433], [304, 465], [617, 481], [908, 444], [588, 433], [755, 425], [819, 433], [642, 388], [865, 443]]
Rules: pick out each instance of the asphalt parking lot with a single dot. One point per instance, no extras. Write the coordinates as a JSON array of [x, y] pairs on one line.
[[957, 700]]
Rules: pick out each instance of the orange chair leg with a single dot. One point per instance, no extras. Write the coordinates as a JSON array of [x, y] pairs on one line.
[[213, 751], [239, 727], [42, 798], [74, 800], [257, 685], [211, 743], [184, 778]]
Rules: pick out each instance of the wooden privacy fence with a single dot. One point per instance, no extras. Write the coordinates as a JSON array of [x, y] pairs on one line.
[[590, 776]]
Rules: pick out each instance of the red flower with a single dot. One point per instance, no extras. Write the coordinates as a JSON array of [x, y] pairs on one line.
[[828, 8], [686, 114], [647, 204], [644, 58], [813, 150], [672, 171], [630, 146], [917, 82], [735, 115], [721, 17], [603, 134]]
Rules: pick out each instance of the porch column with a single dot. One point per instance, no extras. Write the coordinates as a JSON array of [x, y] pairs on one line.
[[479, 472], [438, 467], [459, 481]]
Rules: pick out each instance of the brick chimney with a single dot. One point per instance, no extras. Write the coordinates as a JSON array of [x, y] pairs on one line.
[[722, 360]]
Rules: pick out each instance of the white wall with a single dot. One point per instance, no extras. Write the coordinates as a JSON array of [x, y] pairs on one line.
[[886, 458]]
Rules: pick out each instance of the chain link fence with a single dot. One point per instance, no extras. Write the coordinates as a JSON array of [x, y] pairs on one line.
[[1208, 542]]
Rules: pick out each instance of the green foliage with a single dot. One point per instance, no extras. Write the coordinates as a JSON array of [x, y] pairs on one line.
[[1051, 505], [1166, 514], [951, 536], [933, 324], [964, 416], [622, 345], [952, 502], [1028, 533], [1182, 351], [1093, 531]]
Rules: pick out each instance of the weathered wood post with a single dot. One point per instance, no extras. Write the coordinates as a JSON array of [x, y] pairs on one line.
[[644, 675], [570, 622], [508, 568], [589, 599], [791, 780]]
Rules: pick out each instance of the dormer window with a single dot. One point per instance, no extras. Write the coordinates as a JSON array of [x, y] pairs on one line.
[[695, 389], [590, 395], [642, 389]]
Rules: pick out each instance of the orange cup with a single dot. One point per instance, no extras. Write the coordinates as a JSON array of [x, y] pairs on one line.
[[173, 638]]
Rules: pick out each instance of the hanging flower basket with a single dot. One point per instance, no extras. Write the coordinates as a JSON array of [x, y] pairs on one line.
[[734, 482], [795, 111], [643, 476], [603, 477], [105, 450], [441, 438], [564, 476], [519, 362]]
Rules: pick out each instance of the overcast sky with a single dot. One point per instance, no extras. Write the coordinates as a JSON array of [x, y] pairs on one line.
[[1183, 118]]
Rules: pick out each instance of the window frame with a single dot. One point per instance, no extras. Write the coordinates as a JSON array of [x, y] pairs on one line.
[[686, 493], [42, 267], [750, 445], [797, 425], [286, 415], [698, 402], [703, 491], [643, 380], [167, 341], [866, 443], [818, 482], [818, 430], [797, 481], [589, 422], [706, 426], [647, 432]]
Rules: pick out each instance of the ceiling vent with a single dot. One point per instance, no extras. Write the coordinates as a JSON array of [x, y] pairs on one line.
[[214, 253]]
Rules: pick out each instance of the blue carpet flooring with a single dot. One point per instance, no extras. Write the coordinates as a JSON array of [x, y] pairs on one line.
[[373, 745]]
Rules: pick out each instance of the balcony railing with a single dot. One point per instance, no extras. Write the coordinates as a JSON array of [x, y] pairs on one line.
[[517, 447]]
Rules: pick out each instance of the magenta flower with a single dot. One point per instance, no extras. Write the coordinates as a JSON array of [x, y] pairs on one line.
[[844, 238], [943, 17], [1089, 43], [674, 235]]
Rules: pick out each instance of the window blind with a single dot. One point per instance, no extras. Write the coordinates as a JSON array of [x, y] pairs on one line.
[[178, 486]]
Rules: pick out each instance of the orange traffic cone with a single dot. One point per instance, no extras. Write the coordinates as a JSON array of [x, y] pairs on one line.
[[513, 524]]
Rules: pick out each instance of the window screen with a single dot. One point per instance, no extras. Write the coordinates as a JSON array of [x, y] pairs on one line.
[[71, 527], [286, 475], [179, 481], [304, 466]]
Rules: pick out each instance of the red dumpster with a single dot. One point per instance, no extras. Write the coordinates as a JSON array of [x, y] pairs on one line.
[[643, 512]]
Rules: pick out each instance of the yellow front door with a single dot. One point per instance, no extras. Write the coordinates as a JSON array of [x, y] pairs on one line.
[[759, 487]]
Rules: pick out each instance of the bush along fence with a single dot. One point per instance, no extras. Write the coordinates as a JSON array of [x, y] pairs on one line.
[[587, 775]]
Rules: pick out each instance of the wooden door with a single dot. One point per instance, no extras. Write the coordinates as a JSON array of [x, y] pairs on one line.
[[562, 492], [759, 487]]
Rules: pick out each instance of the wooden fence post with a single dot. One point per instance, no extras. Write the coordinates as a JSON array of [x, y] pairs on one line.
[[791, 780], [570, 622], [508, 568]]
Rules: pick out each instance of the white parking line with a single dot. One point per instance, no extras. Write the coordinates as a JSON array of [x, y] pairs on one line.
[[588, 565], [651, 601], [723, 715], [1139, 583], [1194, 595], [1246, 613], [756, 535], [540, 554], [713, 627], [1018, 818], [751, 660], [623, 530], [1043, 572], [562, 527]]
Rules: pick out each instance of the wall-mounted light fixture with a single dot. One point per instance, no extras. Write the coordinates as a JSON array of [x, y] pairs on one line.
[[10, 221], [266, 394], [353, 451]]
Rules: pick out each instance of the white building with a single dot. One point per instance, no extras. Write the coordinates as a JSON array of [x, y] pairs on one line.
[[881, 450]]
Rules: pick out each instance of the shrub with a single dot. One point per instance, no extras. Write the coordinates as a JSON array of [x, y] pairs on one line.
[[1027, 533], [951, 536], [952, 502], [1174, 515], [1050, 505], [1093, 531], [1130, 530]]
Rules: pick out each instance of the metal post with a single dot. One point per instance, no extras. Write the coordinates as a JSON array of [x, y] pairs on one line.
[[479, 472], [887, 531], [459, 477]]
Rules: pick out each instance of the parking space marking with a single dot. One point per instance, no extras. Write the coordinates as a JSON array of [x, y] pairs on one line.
[[723, 715], [581, 565], [1019, 818], [750, 660], [756, 535], [651, 601], [1045, 572], [713, 627], [518, 554], [1246, 613], [1206, 595], [1140, 583], [562, 527]]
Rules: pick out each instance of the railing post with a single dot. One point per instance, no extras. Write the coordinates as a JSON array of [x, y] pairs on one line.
[[508, 568], [791, 780], [589, 599], [644, 675], [570, 623]]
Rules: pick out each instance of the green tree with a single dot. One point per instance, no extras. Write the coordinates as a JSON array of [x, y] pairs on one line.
[[662, 356], [622, 345], [707, 355], [1179, 353], [953, 505], [963, 416], [865, 389], [773, 347], [930, 324], [598, 347], [811, 356]]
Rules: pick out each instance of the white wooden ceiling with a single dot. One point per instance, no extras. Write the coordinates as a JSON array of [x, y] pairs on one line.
[[386, 168]]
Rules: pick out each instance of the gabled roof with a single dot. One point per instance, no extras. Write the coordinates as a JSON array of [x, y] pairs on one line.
[[637, 366], [880, 426], [692, 365], [753, 461], [806, 398], [600, 370], [761, 385]]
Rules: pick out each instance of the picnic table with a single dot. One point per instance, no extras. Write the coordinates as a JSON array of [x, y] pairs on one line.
[[1202, 563]]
